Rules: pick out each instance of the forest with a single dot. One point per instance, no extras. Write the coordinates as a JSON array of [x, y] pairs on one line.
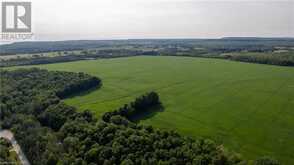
[[51, 132]]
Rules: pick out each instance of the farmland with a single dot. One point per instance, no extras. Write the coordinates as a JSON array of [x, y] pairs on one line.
[[247, 107]]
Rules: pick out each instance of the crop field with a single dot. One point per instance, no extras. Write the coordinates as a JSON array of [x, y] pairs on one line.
[[247, 107]]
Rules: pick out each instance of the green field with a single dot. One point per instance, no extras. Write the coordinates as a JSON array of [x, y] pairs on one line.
[[247, 107]]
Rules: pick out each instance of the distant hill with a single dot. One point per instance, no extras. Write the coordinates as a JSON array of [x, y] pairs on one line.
[[48, 46], [258, 38]]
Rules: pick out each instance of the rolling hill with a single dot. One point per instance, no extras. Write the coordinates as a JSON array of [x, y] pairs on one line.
[[247, 107]]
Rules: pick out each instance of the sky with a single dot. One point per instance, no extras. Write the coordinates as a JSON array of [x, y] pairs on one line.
[[123, 19]]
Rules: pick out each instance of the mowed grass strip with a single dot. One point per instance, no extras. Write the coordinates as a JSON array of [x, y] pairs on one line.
[[247, 107]]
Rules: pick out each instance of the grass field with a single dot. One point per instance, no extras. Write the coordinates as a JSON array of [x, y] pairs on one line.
[[247, 107]]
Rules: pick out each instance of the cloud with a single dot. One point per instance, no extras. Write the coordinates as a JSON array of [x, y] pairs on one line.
[[88, 19]]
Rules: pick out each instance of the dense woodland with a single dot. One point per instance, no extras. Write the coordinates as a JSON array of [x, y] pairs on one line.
[[51, 132]]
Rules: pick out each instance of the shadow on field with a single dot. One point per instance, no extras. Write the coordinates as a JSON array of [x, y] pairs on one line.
[[83, 93], [148, 113]]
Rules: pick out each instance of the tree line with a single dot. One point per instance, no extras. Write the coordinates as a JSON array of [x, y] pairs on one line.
[[140, 105], [69, 57], [283, 58]]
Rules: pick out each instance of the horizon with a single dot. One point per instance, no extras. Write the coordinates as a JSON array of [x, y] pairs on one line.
[[123, 39]]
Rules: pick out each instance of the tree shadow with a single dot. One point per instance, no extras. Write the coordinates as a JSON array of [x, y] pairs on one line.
[[83, 93], [147, 113]]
